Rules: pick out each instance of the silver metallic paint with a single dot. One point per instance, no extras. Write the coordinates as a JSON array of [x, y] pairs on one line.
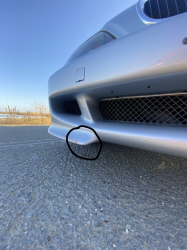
[[145, 19], [148, 20], [125, 23], [80, 74], [162, 139], [153, 56], [145, 96]]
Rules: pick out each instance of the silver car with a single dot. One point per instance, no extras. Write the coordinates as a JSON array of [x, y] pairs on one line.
[[128, 82]]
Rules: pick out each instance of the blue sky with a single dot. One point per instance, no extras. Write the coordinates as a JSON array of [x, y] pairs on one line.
[[38, 36]]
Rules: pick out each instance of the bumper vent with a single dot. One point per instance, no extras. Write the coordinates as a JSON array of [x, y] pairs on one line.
[[72, 107], [163, 109], [60, 106]]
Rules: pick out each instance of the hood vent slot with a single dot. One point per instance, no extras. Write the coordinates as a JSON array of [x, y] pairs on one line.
[[159, 9]]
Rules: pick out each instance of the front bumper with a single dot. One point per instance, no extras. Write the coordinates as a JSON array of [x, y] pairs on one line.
[[121, 68]]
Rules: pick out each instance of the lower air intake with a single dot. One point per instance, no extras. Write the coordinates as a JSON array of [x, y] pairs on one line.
[[163, 109]]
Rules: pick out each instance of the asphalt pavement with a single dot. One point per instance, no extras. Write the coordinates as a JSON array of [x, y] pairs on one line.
[[50, 199]]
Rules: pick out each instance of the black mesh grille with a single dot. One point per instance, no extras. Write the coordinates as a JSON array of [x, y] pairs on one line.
[[158, 9], [164, 110]]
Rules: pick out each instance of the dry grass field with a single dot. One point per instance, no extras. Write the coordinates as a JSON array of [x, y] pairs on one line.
[[37, 115]]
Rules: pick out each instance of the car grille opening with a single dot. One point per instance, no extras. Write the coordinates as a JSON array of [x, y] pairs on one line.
[[158, 9], [72, 107], [61, 106], [162, 109]]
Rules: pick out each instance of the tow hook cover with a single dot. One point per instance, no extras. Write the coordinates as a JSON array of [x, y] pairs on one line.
[[80, 74]]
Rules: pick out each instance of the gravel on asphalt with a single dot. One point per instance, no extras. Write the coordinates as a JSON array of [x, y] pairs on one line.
[[126, 199]]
